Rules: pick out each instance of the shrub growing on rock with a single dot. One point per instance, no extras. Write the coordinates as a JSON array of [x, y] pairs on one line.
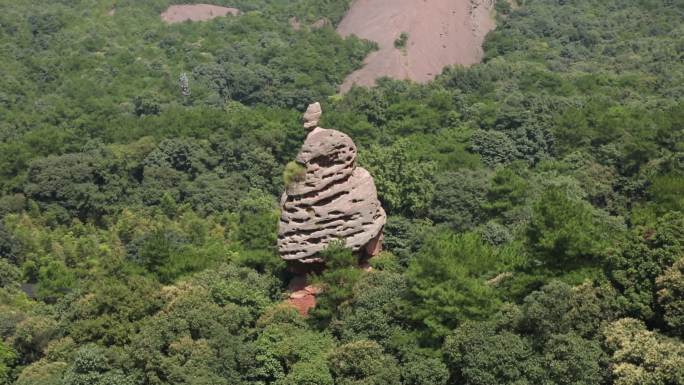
[[294, 172]]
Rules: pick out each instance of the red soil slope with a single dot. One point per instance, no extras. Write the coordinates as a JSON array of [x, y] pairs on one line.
[[440, 33], [195, 12]]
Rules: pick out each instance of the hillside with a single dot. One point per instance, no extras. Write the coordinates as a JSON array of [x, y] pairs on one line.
[[438, 33], [531, 205]]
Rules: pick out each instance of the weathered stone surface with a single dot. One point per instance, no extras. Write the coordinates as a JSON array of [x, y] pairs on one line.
[[312, 116], [335, 200]]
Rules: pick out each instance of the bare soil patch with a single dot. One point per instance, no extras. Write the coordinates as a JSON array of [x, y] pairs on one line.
[[195, 12], [440, 33]]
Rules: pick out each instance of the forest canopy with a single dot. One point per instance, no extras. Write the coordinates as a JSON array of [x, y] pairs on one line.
[[535, 201]]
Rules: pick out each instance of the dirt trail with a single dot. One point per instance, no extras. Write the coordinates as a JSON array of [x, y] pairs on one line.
[[195, 12], [440, 33]]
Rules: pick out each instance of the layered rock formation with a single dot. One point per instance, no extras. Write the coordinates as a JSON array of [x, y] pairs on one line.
[[335, 199]]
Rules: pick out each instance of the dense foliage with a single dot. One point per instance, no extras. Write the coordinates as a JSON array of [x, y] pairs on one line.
[[535, 200]]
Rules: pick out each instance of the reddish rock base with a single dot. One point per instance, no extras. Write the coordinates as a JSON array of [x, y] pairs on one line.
[[302, 296], [374, 246]]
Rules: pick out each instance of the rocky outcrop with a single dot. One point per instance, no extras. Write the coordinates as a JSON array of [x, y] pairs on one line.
[[335, 199], [312, 116]]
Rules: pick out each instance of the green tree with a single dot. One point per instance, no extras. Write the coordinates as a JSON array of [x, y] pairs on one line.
[[636, 264], [109, 312], [404, 237], [258, 221], [558, 309], [88, 184], [147, 104], [55, 279], [565, 232], [478, 354], [42, 372], [9, 247], [9, 274], [308, 373], [405, 184], [196, 336], [667, 193], [210, 193], [337, 281], [7, 357], [379, 310], [155, 250], [459, 197], [495, 147], [91, 366], [573, 360], [31, 337], [363, 362], [508, 191], [291, 354], [419, 370], [448, 281], [641, 356], [670, 287], [191, 157]]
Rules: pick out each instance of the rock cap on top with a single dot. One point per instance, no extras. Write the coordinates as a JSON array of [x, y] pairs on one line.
[[312, 116]]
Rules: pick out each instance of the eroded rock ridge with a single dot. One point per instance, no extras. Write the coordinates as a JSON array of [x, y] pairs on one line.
[[333, 199]]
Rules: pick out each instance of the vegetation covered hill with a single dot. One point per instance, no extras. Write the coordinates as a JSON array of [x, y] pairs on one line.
[[535, 201]]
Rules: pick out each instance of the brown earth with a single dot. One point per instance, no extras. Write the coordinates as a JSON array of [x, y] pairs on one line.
[[440, 33], [195, 12]]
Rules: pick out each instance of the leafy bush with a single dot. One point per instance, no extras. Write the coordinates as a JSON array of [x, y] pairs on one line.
[[566, 232], [671, 296], [7, 357], [400, 42], [448, 280], [405, 185], [294, 172], [337, 281]]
